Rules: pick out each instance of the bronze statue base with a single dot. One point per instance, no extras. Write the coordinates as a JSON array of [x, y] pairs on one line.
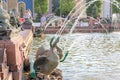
[[55, 75]]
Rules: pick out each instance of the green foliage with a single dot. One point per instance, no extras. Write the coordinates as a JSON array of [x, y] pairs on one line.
[[41, 7], [57, 12], [94, 9], [56, 7], [105, 20], [66, 6], [116, 9]]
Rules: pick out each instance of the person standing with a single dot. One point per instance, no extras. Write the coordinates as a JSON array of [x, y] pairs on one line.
[[30, 13], [27, 15], [43, 21]]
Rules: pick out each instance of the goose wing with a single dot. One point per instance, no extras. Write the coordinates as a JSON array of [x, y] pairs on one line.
[[42, 60]]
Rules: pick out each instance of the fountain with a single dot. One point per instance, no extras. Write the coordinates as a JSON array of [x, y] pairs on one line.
[[91, 54], [94, 57], [28, 24], [46, 62], [14, 21], [6, 29], [14, 47], [103, 25]]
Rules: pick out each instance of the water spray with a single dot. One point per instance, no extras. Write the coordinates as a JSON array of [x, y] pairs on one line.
[[66, 21]]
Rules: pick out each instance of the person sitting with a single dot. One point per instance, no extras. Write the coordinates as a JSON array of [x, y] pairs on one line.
[[27, 15]]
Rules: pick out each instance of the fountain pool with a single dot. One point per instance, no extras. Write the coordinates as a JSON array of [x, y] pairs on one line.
[[94, 56]]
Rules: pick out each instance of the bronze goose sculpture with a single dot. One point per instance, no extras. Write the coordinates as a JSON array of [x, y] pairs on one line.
[[47, 60]]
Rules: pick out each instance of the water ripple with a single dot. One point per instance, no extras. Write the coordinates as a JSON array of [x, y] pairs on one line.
[[94, 56]]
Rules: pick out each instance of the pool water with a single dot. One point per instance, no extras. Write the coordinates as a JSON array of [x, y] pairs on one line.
[[92, 56]]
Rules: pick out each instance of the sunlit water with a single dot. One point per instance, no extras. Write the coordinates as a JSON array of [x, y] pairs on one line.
[[95, 56]]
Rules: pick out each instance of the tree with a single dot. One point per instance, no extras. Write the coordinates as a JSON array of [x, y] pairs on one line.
[[66, 6], [41, 7], [56, 7], [92, 6], [116, 9], [95, 11]]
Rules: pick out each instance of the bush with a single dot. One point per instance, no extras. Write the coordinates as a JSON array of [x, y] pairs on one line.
[[96, 5]]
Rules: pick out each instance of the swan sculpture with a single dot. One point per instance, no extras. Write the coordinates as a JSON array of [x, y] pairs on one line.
[[47, 60]]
